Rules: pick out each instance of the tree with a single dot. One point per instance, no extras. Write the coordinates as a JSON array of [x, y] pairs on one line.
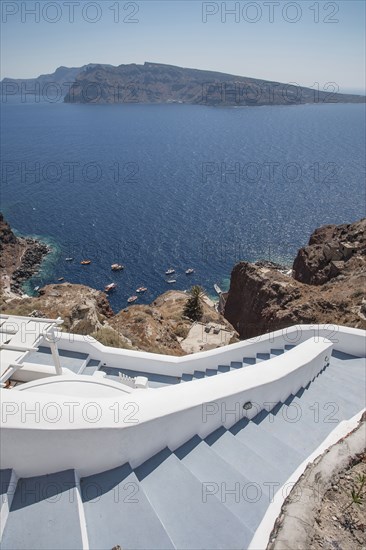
[[193, 307]]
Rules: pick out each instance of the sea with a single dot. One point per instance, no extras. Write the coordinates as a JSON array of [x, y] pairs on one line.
[[155, 187]]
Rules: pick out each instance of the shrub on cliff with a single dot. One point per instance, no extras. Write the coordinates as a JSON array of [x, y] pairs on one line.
[[193, 307]]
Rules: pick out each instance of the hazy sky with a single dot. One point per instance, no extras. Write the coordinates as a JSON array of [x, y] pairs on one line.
[[303, 42]]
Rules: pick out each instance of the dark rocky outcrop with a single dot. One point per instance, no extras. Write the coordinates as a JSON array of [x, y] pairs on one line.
[[20, 258], [330, 248], [30, 262], [6, 235], [328, 285]]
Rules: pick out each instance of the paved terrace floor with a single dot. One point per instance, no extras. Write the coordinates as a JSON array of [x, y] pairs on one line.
[[69, 359]]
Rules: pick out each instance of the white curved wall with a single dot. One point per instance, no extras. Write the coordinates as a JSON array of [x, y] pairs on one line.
[[44, 433], [349, 340]]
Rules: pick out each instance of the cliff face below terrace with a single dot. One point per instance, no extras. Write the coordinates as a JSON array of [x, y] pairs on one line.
[[328, 285], [83, 309]]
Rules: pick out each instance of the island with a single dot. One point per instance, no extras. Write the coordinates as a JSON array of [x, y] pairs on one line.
[[157, 83]]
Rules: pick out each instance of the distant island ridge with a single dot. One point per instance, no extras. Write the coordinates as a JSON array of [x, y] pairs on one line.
[[157, 83]]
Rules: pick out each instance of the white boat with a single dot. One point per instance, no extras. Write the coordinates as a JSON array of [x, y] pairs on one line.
[[110, 287], [69, 259], [36, 288], [132, 299], [189, 271], [218, 289], [117, 267], [141, 289], [170, 271], [171, 281]]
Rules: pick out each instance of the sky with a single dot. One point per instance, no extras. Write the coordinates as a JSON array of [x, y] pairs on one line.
[[311, 43]]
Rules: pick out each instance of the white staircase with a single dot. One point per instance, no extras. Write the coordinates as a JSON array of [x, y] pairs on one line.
[[209, 493]]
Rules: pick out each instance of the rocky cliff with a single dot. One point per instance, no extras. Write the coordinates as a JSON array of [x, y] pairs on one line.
[[332, 250], [327, 285], [46, 86], [20, 259], [159, 83]]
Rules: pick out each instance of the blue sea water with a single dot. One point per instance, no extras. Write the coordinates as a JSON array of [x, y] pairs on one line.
[[159, 186]]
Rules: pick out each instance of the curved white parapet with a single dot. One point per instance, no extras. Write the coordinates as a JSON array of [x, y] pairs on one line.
[[30, 372], [262, 535], [44, 432], [348, 340], [74, 385]]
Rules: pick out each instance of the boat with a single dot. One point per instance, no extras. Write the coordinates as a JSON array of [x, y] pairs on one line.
[[170, 271], [69, 259], [61, 279], [171, 281], [218, 289], [85, 262], [189, 271], [110, 287], [132, 299], [117, 267], [141, 289], [36, 288]]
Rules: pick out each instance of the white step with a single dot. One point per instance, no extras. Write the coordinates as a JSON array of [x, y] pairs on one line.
[[44, 514], [7, 490], [176, 496], [222, 481], [257, 469], [117, 512]]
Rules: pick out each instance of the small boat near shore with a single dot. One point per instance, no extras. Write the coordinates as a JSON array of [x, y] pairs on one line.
[[132, 299], [170, 271], [171, 281], [61, 279], [218, 289], [36, 288], [141, 289], [85, 262], [117, 267], [110, 287], [189, 271]]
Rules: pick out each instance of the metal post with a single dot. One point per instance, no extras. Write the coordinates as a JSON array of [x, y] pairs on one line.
[[54, 351]]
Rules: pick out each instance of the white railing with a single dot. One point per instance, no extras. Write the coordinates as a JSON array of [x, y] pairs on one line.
[[344, 339]]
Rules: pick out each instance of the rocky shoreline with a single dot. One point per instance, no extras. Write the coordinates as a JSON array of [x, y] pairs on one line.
[[21, 258], [325, 285], [34, 254]]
